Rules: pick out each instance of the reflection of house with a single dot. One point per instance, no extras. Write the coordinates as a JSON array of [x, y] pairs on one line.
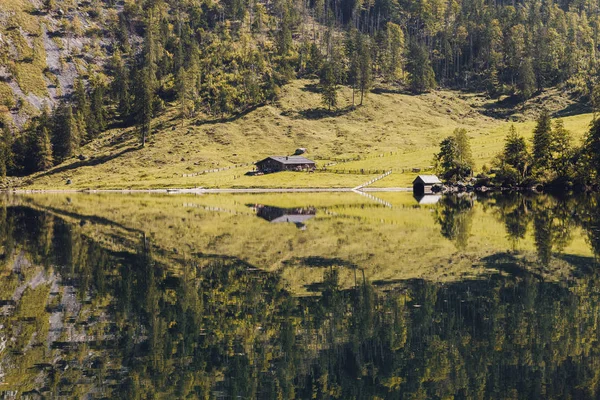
[[424, 184], [285, 163], [428, 199], [297, 216]]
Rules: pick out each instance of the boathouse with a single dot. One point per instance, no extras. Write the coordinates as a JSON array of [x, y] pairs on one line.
[[424, 184], [285, 163]]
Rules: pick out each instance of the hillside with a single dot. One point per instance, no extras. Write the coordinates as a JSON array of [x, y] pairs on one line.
[[220, 84], [395, 131]]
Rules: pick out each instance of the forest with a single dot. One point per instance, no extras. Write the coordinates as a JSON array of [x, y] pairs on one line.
[[221, 58]]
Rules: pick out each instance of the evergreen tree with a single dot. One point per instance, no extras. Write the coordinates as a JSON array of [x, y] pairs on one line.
[[464, 156], [515, 152], [455, 160], [526, 77], [365, 77], [421, 75], [592, 151], [66, 136], [43, 150], [562, 150], [6, 152], [329, 85], [393, 50], [542, 142], [97, 117], [144, 103]]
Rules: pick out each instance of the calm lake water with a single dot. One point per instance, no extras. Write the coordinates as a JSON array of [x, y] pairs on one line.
[[279, 296]]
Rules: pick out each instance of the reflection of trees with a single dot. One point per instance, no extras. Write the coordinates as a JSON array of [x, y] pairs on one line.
[[454, 214], [198, 330], [514, 211], [588, 213], [553, 221]]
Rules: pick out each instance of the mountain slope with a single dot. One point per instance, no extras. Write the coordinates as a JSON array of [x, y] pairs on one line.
[[405, 129]]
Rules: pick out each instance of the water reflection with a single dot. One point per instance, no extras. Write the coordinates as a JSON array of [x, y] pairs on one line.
[[275, 215], [83, 317], [428, 199]]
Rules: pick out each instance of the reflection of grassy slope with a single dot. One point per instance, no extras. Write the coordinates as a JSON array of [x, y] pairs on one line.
[[403, 242]]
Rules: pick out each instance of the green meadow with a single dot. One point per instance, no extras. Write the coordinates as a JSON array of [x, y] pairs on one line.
[[392, 131]]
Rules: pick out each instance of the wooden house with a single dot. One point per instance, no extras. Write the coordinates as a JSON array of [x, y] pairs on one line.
[[424, 184], [285, 163]]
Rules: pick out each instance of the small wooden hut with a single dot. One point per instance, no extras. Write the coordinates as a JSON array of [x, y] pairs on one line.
[[424, 184]]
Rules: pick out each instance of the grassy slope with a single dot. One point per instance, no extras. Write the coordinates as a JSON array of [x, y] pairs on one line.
[[391, 131], [390, 244]]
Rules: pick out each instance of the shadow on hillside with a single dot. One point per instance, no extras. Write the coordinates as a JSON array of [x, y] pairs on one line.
[[225, 119], [503, 108], [382, 90], [510, 105], [88, 163], [320, 113], [311, 87], [319, 262], [573, 109]]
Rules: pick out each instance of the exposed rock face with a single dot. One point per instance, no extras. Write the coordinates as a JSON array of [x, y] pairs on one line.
[[41, 53]]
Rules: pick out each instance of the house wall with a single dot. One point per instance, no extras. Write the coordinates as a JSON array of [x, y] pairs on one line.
[[272, 165]]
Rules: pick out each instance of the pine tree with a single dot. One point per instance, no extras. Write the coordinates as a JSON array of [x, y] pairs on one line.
[[421, 75], [562, 151], [365, 77], [464, 155], [97, 118], [542, 142], [145, 103], [526, 79], [43, 155], [592, 151], [394, 49], [6, 154], [329, 85], [515, 153], [66, 136], [120, 85]]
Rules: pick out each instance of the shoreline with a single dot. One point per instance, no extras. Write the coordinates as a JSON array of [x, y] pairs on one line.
[[213, 191]]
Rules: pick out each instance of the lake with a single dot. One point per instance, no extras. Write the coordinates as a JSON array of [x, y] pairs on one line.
[[279, 296]]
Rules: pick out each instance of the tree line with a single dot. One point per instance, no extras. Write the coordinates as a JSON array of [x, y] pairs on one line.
[[221, 58], [550, 158]]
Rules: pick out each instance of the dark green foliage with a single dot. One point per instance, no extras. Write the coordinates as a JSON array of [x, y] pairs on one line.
[[592, 152], [6, 143], [43, 150], [223, 57], [526, 79], [329, 85], [542, 142], [515, 161], [421, 74], [455, 160], [66, 134]]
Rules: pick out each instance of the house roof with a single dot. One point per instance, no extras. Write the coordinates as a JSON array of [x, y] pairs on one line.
[[428, 179], [289, 160]]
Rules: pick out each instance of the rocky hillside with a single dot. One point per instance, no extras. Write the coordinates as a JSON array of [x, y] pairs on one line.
[[44, 46]]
